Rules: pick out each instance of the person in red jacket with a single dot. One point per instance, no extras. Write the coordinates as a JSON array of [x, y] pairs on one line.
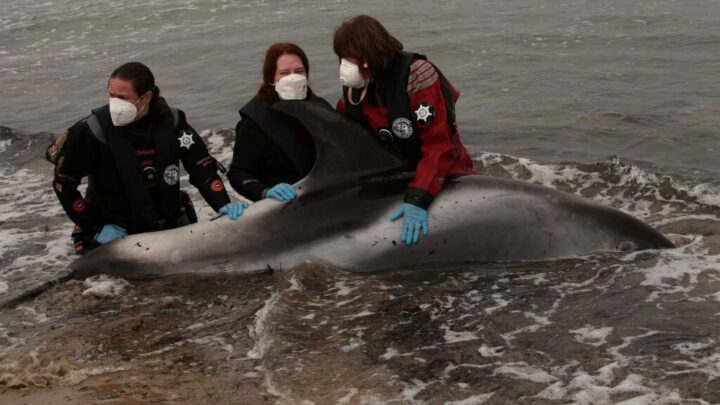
[[409, 104]]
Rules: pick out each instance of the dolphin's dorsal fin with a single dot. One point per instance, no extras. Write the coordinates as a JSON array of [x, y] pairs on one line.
[[345, 150]]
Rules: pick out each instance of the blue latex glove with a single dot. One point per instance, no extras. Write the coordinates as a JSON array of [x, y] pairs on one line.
[[109, 233], [281, 192], [234, 209], [415, 221]]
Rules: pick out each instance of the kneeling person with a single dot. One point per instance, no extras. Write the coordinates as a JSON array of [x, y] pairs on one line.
[[130, 149], [272, 150]]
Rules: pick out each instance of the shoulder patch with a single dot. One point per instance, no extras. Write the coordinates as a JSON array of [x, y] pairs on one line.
[[424, 114], [52, 154], [422, 75], [186, 139]]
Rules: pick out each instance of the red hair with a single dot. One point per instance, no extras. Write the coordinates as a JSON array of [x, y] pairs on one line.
[[267, 90]]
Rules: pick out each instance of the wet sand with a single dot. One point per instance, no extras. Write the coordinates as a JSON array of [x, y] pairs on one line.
[[144, 346]]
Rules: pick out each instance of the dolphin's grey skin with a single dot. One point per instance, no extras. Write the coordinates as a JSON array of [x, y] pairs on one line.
[[341, 219]]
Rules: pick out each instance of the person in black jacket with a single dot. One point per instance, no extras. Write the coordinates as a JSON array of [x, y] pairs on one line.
[[272, 151], [130, 149]]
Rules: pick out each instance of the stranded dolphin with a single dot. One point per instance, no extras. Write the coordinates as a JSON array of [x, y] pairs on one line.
[[341, 219]]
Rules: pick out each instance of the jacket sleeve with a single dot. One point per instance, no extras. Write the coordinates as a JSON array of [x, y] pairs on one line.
[[75, 160], [247, 159], [427, 105], [201, 167]]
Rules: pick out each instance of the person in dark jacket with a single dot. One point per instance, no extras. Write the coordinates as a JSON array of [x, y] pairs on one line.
[[130, 149], [272, 150], [409, 104]]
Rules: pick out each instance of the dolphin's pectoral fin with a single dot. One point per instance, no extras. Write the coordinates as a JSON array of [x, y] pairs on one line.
[[345, 150]]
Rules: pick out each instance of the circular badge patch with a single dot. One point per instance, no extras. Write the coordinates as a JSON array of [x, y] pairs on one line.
[[171, 175], [78, 205], [402, 127], [386, 136], [150, 175], [217, 185]]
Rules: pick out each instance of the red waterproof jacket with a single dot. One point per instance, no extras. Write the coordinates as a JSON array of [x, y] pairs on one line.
[[442, 153]]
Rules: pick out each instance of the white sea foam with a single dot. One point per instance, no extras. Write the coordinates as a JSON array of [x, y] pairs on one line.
[[541, 321], [599, 387], [360, 314], [343, 289], [295, 284], [390, 353], [500, 301], [198, 325], [78, 376], [27, 193], [487, 351], [702, 359], [708, 365], [673, 267], [347, 398], [260, 330], [537, 279], [12, 238], [524, 371], [39, 317], [473, 400], [591, 335], [706, 193], [644, 183], [213, 341], [691, 348], [452, 336], [410, 391], [9, 341], [4, 144], [104, 286], [343, 303], [353, 344], [48, 255]]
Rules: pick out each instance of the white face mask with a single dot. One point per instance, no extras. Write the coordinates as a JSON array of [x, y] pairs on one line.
[[350, 75], [292, 87], [123, 112]]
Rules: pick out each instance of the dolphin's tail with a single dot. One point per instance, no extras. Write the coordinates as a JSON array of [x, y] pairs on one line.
[[35, 289]]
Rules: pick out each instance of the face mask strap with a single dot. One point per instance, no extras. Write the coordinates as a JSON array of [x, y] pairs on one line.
[[362, 95], [142, 109]]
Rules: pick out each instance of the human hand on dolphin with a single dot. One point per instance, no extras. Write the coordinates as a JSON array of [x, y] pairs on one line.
[[281, 192], [415, 220], [234, 209], [109, 233]]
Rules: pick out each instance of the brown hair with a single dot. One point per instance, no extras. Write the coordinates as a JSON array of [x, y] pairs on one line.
[[140, 76], [267, 90], [363, 38]]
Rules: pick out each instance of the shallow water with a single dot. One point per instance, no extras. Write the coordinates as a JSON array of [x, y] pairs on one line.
[[614, 101], [638, 79], [596, 329]]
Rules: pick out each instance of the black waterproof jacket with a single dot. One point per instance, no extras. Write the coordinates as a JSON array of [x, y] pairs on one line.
[[133, 173], [270, 148]]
